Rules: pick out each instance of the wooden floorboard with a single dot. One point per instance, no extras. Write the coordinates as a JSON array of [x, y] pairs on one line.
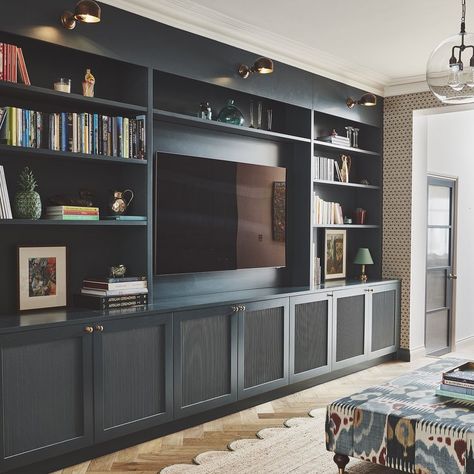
[[182, 447]]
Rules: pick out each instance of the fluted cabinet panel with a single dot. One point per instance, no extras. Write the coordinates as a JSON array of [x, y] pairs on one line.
[[264, 332], [134, 368], [350, 329], [206, 363], [384, 318], [311, 335]]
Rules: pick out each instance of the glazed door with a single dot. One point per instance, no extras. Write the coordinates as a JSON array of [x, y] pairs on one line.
[[440, 274]]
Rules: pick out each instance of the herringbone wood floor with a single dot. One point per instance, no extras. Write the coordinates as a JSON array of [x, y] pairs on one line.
[[181, 447]]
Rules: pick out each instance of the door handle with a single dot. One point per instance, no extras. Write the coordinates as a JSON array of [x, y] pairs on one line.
[[452, 276]]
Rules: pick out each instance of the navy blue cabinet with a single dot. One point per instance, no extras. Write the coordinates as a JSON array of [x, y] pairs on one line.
[[46, 393], [205, 359], [263, 346], [133, 379]]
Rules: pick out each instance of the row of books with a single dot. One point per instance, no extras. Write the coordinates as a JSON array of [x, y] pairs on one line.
[[327, 213], [5, 207], [72, 213], [75, 132], [458, 382], [336, 140], [12, 61], [324, 169], [110, 293]]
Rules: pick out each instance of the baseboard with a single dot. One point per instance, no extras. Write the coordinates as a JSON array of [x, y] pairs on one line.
[[465, 344], [409, 355]]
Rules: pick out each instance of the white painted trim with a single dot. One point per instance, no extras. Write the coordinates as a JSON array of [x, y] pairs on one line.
[[406, 86], [417, 353], [190, 16], [465, 344]]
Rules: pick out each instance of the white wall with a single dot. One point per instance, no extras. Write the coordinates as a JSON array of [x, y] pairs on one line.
[[443, 144], [418, 234], [451, 152]]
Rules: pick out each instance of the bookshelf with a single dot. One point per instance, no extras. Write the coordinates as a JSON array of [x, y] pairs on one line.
[[366, 165], [170, 102]]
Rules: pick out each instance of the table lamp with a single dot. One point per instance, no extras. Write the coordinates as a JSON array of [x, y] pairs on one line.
[[363, 258]]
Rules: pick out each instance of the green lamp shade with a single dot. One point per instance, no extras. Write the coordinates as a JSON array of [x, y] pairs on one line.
[[363, 257]]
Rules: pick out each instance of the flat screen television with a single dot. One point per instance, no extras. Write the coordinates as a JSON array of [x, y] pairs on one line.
[[216, 215]]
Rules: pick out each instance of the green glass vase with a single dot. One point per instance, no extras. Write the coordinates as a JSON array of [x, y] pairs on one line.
[[231, 114]]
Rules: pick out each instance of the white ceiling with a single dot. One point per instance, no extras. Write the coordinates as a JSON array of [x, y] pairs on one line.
[[378, 45]]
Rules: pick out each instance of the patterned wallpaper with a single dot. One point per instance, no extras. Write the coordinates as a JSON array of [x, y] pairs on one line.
[[397, 179]]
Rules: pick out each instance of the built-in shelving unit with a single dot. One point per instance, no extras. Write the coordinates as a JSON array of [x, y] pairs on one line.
[[346, 149], [366, 165], [85, 223], [37, 94], [19, 152], [188, 120], [349, 185], [346, 226], [121, 90]]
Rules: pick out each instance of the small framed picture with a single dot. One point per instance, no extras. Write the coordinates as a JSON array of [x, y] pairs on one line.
[[335, 245], [42, 277]]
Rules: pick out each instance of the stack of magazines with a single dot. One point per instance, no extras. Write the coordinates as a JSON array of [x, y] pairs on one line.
[[458, 382]]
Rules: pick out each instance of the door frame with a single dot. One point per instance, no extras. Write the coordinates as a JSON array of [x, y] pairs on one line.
[[440, 179]]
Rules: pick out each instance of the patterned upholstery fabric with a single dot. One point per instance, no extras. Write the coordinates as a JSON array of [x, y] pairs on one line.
[[405, 426]]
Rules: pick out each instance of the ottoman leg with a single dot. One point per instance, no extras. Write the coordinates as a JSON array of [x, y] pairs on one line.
[[341, 460]]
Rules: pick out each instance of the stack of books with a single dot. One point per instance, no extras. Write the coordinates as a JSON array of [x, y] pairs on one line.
[[5, 207], [336, 140], [327, 213], [72, 213], [458, 382], [110, 293], [12, 61], [93, 134]]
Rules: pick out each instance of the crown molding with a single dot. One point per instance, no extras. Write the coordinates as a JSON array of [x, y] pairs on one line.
[[406, 85], [188, 15]]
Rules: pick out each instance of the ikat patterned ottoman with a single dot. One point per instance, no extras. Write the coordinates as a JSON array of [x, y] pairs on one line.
[[404, 425]]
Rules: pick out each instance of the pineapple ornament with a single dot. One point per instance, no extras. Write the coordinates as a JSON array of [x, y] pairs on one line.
[[27, 203]]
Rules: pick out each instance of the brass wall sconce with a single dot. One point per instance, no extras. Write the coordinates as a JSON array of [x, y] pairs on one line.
[[367, 100], [86, 11], [261, 66]]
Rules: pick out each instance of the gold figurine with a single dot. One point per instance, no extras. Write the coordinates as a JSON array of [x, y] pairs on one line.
[[88, 84]]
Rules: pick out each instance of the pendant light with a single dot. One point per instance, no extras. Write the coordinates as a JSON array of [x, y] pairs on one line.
[[450, 69]]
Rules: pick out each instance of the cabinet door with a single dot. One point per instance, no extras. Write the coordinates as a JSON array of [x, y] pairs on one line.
[[205, 359], [133, 375], [310, 336], [384, 319], [263, 346], [350, 329], [46, 393]]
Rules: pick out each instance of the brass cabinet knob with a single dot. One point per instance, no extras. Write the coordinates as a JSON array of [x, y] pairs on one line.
[[234, 309], [89, 329], [241, 307], [99, 328]]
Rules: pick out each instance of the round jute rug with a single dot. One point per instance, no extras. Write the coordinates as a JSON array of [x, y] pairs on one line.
[[297, 448]]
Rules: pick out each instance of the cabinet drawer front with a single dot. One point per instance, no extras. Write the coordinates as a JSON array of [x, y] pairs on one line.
[[311, 326], [350, 327]]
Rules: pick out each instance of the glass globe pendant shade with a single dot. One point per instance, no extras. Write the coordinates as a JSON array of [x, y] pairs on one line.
[[450, 81]]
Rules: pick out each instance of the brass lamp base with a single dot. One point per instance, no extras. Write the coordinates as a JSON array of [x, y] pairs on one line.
[[363, 276]]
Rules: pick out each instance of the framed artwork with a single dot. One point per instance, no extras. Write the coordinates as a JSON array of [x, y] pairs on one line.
[[335, 246], [279, 211], [42, 277]]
